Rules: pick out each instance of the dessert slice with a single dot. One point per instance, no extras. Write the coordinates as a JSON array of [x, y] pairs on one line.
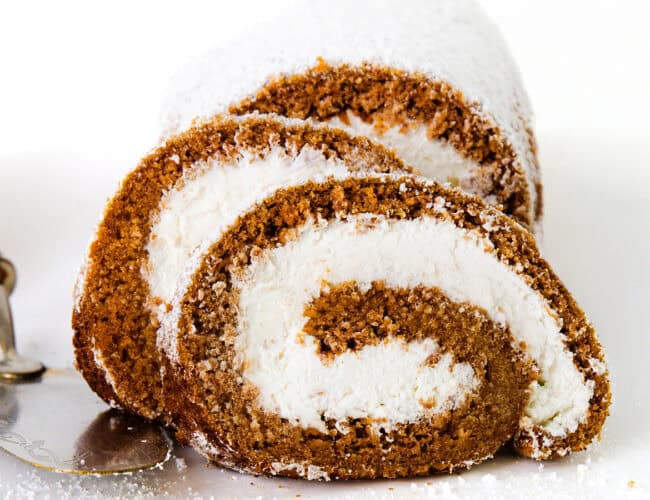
[[374, 327], [432, 80]]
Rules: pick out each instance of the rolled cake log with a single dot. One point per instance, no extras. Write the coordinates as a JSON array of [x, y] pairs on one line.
[[192, 187], [432, 80], [377, 327]]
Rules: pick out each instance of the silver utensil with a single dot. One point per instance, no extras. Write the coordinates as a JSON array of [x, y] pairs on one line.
[[50, 418], [12, 365]]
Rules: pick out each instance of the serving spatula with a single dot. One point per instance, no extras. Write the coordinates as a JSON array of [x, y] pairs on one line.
[[51, 419]]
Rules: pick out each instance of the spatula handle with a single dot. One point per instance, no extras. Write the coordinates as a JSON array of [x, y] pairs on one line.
[[7, 283], [12, 366]]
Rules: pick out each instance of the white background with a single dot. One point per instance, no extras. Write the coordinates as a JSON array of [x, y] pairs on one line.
[[81, 85]]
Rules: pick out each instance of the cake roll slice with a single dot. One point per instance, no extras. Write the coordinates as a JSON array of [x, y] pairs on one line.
[[378, 327], [191, 188], [431, 79]]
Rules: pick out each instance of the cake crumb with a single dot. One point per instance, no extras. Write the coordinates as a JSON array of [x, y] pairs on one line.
[[631, 483]]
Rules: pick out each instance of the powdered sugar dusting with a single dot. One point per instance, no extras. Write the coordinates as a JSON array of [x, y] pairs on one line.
[[446, 40]]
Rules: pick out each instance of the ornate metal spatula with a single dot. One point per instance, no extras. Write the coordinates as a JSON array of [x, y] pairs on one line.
[[50, 418]]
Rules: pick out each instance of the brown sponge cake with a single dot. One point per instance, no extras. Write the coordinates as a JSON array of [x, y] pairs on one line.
[[194, 185], [382, 326]]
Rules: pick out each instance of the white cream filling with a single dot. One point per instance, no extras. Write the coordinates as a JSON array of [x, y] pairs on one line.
[[99, 363], [431, 158], [304, 470], [212, 196], [388, 381]]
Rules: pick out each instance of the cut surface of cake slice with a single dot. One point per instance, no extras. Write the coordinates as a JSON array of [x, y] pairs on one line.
[[376, 327]]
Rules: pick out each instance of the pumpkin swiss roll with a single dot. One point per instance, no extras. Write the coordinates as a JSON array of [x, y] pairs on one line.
[[377, 327], [293, 301], [433, 80]]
